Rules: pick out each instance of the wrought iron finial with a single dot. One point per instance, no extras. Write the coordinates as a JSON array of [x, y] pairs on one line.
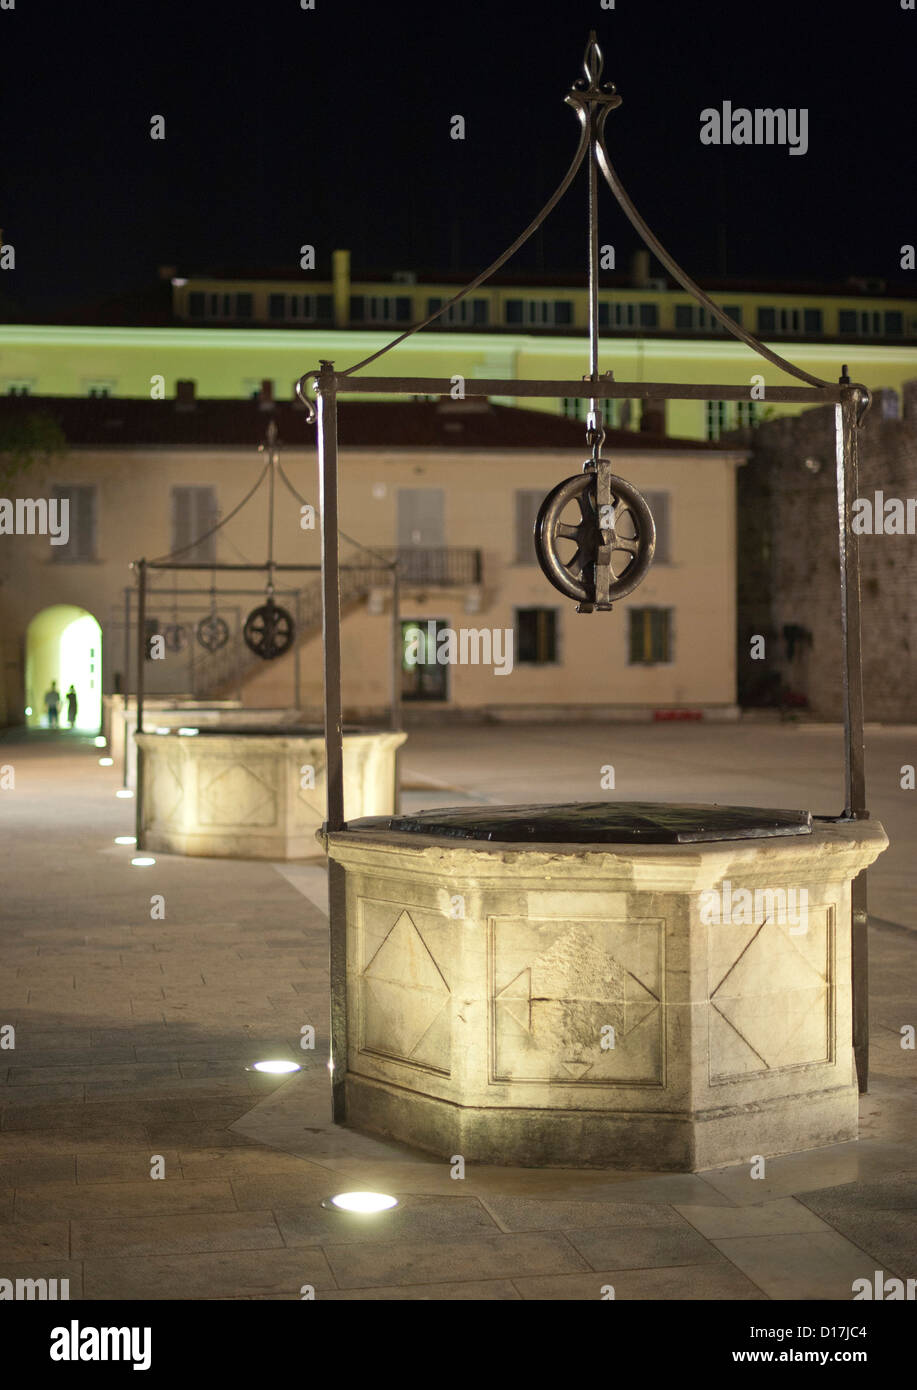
[[271, 431], [593, 62], [592, 86]]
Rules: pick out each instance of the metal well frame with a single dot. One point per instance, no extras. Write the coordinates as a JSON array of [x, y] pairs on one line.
[[592, 100]]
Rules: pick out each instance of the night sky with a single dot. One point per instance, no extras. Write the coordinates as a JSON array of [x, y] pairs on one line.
[[331, 127]]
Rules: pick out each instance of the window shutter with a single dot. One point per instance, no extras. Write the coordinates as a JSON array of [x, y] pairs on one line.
[[659, 506], [527, 504]]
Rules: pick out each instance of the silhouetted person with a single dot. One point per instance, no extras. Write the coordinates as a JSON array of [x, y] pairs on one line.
[[71, 706], [52, 704]]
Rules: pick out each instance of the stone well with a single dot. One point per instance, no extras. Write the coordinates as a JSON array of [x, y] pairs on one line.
[[120, 722], [239, 794], [584, 1003]]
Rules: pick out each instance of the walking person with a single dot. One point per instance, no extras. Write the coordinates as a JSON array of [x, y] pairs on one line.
[[71, 706], [52, 704]]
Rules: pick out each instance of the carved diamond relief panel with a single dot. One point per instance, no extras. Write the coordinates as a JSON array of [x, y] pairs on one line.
[[235, 794], [560, 989], [771, 996], [166, 792], [404, 994]]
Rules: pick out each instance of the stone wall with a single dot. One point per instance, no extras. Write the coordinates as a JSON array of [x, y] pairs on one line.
[[788, 575]]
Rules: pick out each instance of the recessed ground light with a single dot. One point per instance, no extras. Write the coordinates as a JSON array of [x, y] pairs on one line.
[[125, 791], [364, 1202], [277, 1068], [162, 730], [125, 839], [100, 741], [106, 762], [28, 710], [188, 732], [142, 862]]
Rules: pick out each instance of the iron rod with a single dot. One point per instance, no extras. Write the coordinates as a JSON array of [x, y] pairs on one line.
[[334, 732], [854, 714], [603, 389], [396, 684], [141, 673], [593, 421], [126, 682]]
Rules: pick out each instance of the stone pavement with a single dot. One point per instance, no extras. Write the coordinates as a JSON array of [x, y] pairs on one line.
[[133, 1034]]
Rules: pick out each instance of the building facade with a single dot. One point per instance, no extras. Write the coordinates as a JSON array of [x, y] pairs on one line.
[[211, 329], [450, 489]]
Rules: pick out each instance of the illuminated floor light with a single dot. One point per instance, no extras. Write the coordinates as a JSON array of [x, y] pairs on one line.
[[28, 710], [125, 839], [162, 730], [278, 1068], [124, 792], [100, 742], [365, 1203], [188, 732], [106, 762], [142, 862]]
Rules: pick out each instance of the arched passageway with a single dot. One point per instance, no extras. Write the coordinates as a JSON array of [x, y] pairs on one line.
[[64, 646]]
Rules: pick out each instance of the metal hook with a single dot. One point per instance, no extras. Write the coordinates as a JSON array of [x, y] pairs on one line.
[[311, 415]]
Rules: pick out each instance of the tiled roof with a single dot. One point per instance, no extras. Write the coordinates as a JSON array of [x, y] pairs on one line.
[[472, 424]]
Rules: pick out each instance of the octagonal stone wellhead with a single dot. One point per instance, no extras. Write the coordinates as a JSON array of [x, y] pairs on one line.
[[601, 986]]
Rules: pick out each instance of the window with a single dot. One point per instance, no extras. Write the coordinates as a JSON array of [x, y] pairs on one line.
[[81, 546], [466, 312], [380, 308], [18, 386], [527, 503], [747, 414], [617, 315], [734, 311], [698, 319], [812, 320], [194, 512], [649, 316], [870, 323], [716, 418], [540, 313], [659, 505], [305, 308], [767, 320], [100, 386], [536, 636], [576, 408], [650, 636], [720, 416], [219, 306]]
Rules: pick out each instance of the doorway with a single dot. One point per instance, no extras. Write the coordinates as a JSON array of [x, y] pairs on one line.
[[64, 644]]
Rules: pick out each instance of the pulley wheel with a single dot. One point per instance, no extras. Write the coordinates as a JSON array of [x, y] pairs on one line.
[[568, 549], [212, 632], [269, 630]]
